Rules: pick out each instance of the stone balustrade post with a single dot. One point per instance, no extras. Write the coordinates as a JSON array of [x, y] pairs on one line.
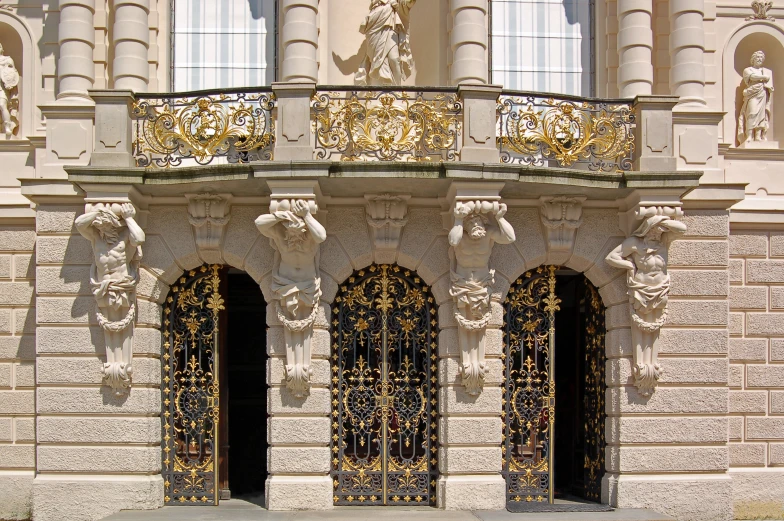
[[113, 128], [635, 48], [131, 41], [299, 40], [687, 47], [468, 40], [76, 38], [653, 137], [292, 124], [479, 122]]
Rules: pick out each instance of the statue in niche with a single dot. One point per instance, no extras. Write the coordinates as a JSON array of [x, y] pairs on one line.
[[117, 240], [754, 119], [9, 98], [644, 256], [388, 59], [471, 239], [296, 285]]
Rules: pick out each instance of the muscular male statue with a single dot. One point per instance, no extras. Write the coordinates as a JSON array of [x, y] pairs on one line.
[[116, 239], [296, 235], [644, 256], [471, 239]]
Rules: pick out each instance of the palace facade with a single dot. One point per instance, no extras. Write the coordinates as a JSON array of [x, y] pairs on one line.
[[463, 254]]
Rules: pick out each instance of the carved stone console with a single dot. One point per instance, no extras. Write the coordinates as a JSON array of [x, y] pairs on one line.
[[644, 256], [386, 217], [208, 213], [477, 215], [561, 217], [116, 240], [295, 234]]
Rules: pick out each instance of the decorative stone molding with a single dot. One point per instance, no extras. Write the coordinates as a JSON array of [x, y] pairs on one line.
[[561, 216], [208, 213], [761, 8], [386, 216], [295, 234], [471, 241], [644, 256], [116, 239]]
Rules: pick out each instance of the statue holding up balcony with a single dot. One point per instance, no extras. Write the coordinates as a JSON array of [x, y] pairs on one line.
[[9, 94], [388, 59], [754, 119]]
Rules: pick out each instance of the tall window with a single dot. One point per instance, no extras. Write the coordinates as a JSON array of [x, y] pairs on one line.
[[543, 45], [222, 43]]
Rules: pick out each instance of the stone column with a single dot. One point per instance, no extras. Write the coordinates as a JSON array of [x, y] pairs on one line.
[[299, 41], [131, 42], [635, 48], [76, 37], [687, 47], [469, 41]]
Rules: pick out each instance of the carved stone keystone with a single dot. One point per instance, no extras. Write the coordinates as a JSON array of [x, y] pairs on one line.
[[386, 217], [561, 216], [208, 213]]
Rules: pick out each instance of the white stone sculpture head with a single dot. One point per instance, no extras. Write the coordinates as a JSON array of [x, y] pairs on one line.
[[757, 59], [108, 225], [651, 228], [474, 225], [295, 230]]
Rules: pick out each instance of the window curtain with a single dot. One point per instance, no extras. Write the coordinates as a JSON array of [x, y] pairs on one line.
[[223, 44], [542, 45]]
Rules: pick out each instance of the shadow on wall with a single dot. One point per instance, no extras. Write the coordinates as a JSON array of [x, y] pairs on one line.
[[773, 50]]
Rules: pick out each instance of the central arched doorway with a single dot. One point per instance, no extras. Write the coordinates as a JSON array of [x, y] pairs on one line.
[[214, 388], [554, 395], [384, 389]]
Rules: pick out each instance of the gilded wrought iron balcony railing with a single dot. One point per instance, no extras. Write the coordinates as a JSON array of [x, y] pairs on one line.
[[556, 130], [379, 124], [179, 129]]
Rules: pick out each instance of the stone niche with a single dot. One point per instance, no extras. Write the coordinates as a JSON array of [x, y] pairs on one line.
[[345, 45], [774, 51], [12, 47]]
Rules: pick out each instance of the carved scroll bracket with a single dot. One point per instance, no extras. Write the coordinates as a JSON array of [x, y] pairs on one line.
[[561, 217], [209, 214], [644, 256], [116, 240], [296, 236], [478, 222], [386, 216]]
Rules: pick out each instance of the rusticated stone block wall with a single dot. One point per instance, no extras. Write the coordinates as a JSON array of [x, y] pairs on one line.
[[17, 370], [756, 353]]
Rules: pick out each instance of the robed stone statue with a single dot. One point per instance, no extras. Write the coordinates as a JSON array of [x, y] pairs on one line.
[[388, 59]]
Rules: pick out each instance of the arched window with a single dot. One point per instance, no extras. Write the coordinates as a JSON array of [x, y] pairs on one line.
[[222, 43], [543, 45]]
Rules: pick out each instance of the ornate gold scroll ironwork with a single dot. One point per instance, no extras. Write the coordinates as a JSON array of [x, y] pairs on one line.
[[529, 392], [363, 125], [170, 131], [384, 389], [190, 388], [594, 331], [574, 132]]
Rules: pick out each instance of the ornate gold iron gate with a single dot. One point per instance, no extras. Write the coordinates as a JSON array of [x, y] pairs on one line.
[[529, 393], [190, 388], [384, 377], [594, 331]]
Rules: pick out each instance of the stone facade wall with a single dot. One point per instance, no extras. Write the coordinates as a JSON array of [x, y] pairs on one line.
[[756, 352], [17, 370]]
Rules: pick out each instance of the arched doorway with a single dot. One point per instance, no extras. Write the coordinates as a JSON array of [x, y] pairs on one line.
[[384, 389], [554, 413], [214, 387]]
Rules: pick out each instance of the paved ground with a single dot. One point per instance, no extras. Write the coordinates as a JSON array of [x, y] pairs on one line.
[[238, 510]]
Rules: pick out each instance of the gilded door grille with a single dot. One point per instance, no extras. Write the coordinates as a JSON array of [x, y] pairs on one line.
[[384, 389], [529, 392], [594, 330], [191, 388]]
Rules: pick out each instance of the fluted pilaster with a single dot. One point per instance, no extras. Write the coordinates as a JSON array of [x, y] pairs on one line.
[[76, 37], [469, 41], [131, 41], [635, 48], [687, 47], [299, 40]]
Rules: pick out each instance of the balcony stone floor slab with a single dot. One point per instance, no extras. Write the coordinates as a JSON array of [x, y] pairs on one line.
[[239, 510]]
